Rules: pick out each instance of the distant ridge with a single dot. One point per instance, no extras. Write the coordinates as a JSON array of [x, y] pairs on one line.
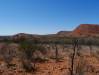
[[64, 33], [83, 30]]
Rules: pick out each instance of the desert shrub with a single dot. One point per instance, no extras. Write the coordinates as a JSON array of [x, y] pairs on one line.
[[6, 40], [7, 54], [27, 50], [80, 67], [28, 66], [26, 55]]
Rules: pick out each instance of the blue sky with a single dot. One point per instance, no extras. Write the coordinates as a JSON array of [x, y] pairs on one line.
[[46, 16]]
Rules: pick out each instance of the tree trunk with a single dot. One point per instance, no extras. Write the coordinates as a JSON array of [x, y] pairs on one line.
[[56, 53]]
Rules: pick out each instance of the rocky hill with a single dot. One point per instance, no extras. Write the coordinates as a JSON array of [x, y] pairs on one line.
[[86, 30], [83, 30]]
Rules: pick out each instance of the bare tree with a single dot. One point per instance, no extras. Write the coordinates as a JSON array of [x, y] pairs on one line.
[[75, 45], [77, 61]]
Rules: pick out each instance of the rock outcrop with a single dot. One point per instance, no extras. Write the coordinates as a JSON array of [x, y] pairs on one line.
[[86, 30]]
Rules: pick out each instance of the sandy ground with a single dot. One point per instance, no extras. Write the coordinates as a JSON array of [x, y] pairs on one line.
[[59, 68]]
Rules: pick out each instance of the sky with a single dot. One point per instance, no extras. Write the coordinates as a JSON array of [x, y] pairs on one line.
[[46, 16]]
